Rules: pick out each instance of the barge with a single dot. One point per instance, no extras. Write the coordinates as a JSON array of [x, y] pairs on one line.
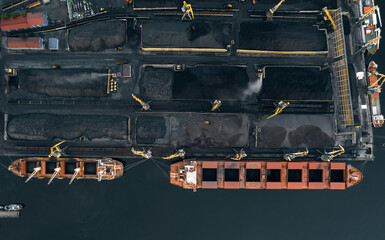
[[192, 174], [73, 168]]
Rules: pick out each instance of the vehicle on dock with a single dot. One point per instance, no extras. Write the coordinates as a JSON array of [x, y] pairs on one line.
[[374, 87], [192, 174], [73, 168]]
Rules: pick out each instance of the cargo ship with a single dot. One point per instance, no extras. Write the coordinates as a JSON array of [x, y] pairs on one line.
[[192, 174], [371, 24], [73, 168], [374, 90]]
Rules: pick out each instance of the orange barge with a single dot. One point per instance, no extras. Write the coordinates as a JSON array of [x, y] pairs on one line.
[[73, 168], [191, 174], [377, 117]]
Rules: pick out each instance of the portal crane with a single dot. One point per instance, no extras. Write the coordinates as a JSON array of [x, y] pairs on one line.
[[216, 104], [280, 106], [291, 156], [56, 151], [328, 156], [270, 13], [145, 106], [187, 11], [179, 154], [146, 154], [239, 155]]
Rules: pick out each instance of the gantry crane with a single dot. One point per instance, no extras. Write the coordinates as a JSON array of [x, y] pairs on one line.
[[270, 13], [280, 106], [145, 106], [328, 156], [239, 155], [291, 156], [179, 154], [216, 104], [146, 154], [187, 11], [56, 151]]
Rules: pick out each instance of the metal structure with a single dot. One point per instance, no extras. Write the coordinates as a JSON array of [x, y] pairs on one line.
[[280, 106], [291, 156], [216, 104], [330, 155], [239, 155], [146, 154], [179, 154], [270, 13], [56, 151], [340, 71], [187, 11], [145, 106]]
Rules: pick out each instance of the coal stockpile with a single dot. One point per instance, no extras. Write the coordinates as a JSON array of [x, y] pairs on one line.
[[157, 83], [296, 83], [97, 36], [150, 130], [186, 35], [217, 131], [211, 82], [281, 36], [67, 127], [64, 82]]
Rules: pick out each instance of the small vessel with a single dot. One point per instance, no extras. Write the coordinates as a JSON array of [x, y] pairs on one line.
[[73, 168], [377, 117], [371, 24], [192, 174]]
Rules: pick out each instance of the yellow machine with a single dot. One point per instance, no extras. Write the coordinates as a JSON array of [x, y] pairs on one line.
[[291, 156], [239, 155], [187, 11], [216, 104], [179, 154], [377, 89], [328, 16], [281, 105], [145, 106], [56, 151], [270, 13], [146, 154], [330, 155]]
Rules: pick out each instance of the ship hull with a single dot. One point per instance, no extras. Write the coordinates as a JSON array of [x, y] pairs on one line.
[[263, 175]]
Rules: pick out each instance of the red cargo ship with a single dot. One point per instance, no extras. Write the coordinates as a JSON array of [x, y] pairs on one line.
[[192, 174]]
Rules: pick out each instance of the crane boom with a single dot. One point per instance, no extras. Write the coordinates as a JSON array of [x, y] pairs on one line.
[[270, 13]]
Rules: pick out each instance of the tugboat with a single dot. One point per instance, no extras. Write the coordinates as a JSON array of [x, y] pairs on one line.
[[370, 24], [73, 168], [192, 174]]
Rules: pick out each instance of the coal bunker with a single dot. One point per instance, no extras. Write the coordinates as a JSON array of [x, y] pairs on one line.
[[281, 36], [195, 34], [156, 83], [296, 83], [97, 36], [64, 82], [149, 129], [225, 130], [211, 82], [67, 127]]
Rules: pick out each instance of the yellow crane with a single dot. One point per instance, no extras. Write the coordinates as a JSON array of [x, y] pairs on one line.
[[328, 156], [291, 156], [187, 11], [145, 106], [146, 154], [239, 155], [270, 13], [380, 81], [280, 106], [179, 154], [216, 104], [369, 12], [56, 151], [328, 16]]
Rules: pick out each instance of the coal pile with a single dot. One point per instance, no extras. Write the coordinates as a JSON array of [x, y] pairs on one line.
[[149, 129], [67, 127], [157, 83], [97, 36]]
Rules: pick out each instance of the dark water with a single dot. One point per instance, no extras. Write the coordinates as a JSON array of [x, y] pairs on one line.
[[143, 205]]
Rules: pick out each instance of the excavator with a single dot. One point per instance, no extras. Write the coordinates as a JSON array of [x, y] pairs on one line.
[[291, 156], [270, 13], [187, 11], [280, 106], [179, 154], [146, 154], [239, 155], [216, 104], [145, 106], [328, 156], [56, 151]]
